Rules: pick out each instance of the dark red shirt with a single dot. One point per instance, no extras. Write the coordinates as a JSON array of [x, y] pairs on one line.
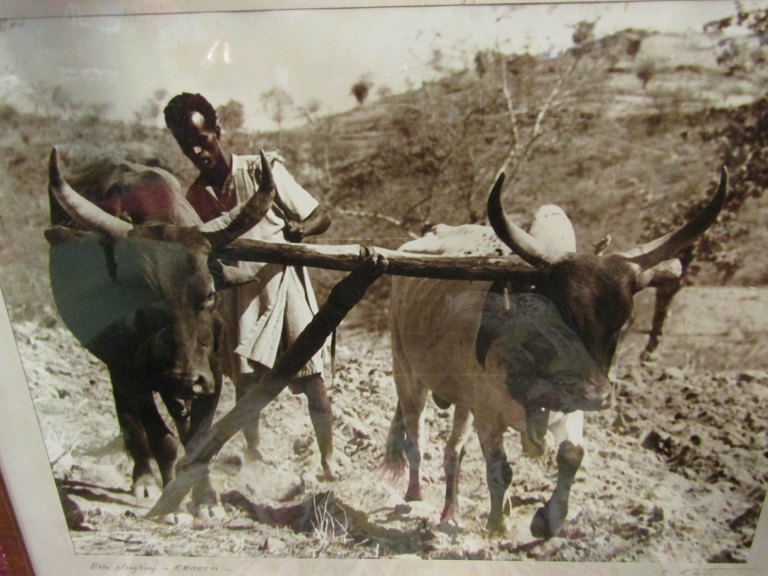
[[206, 204]]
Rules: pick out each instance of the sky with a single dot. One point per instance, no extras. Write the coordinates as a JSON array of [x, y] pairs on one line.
[[312, 54]]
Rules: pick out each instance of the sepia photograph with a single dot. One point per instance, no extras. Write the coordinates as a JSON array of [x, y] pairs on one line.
[[387, 284]]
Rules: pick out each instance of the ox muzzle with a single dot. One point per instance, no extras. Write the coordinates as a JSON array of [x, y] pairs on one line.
[[182, 376], [546, 364]]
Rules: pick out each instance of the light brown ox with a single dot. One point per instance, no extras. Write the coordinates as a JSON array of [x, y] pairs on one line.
[[518, 368]]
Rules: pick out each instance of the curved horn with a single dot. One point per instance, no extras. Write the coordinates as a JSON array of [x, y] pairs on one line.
[[523, 244], [81, 210], [666, 247], [230, 226]]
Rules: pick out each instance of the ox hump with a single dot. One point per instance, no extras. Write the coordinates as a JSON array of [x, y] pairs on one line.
[[552, 226]]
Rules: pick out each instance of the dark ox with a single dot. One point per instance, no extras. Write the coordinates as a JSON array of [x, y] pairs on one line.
[[139, 295], [530, 353]]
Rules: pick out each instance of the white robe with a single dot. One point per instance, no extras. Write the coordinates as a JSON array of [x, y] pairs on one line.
[[263, 318]]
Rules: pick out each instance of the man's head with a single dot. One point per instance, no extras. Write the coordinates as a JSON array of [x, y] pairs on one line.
[[192, 121]]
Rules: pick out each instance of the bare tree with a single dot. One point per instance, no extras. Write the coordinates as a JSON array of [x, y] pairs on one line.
[[150, 109], [277, 102], [231, 116], [523, 145], [645, 71], [361, 89], [309, 110]]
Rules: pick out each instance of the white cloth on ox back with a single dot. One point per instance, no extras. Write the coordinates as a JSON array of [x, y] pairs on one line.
[[464, 240], [264, 317]]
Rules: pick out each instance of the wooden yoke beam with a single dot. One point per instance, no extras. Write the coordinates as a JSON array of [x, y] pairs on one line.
[[347, 258]]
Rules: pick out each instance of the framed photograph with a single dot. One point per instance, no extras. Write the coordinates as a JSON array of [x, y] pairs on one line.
[[566, 364]]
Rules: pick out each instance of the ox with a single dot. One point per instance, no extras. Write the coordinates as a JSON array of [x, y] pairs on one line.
[[140, 296], [530, 353]]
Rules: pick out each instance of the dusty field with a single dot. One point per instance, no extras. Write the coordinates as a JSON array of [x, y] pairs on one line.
[[676, 471]]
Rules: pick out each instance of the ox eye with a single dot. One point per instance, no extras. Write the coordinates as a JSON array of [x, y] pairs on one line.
[[208, 301]]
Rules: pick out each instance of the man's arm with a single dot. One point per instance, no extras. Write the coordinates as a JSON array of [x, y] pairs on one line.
[[295, 201], [316, 223]]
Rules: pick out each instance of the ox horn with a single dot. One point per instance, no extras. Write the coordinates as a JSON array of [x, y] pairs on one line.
[[530, 249], [84, 212], [230, 226], [666, 247]]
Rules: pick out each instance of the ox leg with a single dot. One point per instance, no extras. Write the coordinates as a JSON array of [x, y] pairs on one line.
[[498, 470], [405, 430], [200, 419], [163, 445], [145, 434], [452, 457], [144, 431], [394, 451], [412, 407], [550, 517], [137, 445], [179, 411], [192, 418]]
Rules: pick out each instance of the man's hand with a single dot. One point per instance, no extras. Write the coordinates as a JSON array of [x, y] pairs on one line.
[[293, 232], [316, 223]]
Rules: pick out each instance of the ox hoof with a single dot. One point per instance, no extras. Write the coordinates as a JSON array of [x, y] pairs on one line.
[[146, 493], [451, 526], [413, 493], [650, 358], [253, 455], [541, 527], [448, 513], [178, 519], [496, 526], [330, 472], [210, 512]]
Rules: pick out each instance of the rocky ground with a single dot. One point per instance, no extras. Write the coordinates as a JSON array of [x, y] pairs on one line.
[[676, 470]]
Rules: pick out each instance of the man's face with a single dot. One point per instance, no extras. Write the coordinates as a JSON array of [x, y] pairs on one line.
[[200, 143]]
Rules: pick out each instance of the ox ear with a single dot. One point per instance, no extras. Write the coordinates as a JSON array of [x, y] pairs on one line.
[[663, 273], [650, 254], [230, 226], [82, 211], [602, 245]]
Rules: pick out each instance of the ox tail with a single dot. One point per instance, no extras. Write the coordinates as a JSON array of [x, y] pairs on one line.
[[394, 452]]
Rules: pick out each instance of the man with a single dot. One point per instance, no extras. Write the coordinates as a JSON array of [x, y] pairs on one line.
[[262, 318]]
